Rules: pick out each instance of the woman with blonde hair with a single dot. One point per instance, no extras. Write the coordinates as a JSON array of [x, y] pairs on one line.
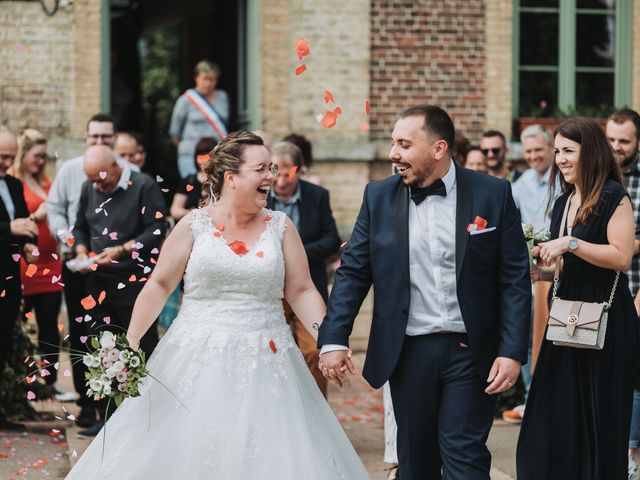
[[253, 410], [42, 292]]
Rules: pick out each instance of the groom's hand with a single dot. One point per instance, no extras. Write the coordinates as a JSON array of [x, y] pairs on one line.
[[334, 366], [503, 375]]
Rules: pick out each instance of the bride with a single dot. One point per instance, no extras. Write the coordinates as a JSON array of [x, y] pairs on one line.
[[251, 408]]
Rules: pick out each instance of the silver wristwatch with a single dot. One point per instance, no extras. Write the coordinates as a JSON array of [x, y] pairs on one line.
[[572, 244]]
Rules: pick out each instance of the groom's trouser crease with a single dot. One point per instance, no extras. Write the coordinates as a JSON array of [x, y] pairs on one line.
[[443, 414]]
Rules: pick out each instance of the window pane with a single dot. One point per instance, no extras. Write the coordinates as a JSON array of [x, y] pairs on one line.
[[594, 92], [539, 3], [538, 93], [595, 40], [604, 4], [538, 39]]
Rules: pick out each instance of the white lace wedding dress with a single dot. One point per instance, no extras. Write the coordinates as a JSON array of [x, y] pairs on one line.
[[254, 410]]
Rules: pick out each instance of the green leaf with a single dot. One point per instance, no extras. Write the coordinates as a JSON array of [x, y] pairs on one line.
[[95, 343]]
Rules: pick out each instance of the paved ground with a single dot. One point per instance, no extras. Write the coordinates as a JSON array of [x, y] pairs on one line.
[[48, 449]]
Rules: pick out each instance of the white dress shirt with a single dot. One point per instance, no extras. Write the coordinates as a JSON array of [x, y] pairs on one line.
[[433, 303], [432, 263], [531, 194], [5, 195]]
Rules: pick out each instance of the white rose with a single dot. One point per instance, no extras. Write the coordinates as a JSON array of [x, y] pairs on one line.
[[107, 389], [87, 360], [111, 372], [95, 362], [95, 385], [134, 362], [119, 365], [107, 340]]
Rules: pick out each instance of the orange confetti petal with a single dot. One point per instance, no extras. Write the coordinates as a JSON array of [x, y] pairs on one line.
[[367, 107], [159, 215], [132, 278], [328, 97], [152, 260], [29, 315], [102, 296], [31, 270], [143, 279], [301, 69], [302, 47], [45, 271], [129, 182], [217, 234], [329, 120], [60, 327], [91, 254], [272, 345], [94, 267], [260, 254], [292, 172], [88, 302], [3, 294], [337, 111], [189, 188], [364, 126], [238, 247], [267, 218], [220, 227], [71, 241]]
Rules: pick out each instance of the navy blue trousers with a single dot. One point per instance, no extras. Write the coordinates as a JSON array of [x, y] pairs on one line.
[[443, 414]]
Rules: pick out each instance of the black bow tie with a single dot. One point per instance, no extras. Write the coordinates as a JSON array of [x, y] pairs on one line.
[[436, 188]]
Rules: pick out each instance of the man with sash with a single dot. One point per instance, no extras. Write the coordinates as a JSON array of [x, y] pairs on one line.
[[200, 112]]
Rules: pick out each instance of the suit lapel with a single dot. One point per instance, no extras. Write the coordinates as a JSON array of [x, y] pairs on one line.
[[464, 206], [303, 211], [402, 228]]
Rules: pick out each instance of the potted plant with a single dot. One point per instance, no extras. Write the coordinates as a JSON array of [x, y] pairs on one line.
[[551, 118]]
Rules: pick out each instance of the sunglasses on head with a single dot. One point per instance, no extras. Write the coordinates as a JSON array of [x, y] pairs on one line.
[[495, 151]]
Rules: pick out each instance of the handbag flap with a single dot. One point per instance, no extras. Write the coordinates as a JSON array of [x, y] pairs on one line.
[[575, 314]]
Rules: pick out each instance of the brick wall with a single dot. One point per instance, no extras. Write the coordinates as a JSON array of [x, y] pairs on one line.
[[427, 51], [50, 70]]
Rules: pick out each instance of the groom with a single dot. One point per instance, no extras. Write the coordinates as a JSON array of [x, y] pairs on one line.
[[444, 250]]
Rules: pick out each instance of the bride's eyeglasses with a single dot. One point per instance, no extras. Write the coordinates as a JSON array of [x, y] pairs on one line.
[[263, 170]]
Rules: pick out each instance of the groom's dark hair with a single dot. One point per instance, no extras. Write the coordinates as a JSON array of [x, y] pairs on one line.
[[437, 122]]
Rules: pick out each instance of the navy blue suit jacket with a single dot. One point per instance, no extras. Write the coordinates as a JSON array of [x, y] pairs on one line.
[[492, 271]]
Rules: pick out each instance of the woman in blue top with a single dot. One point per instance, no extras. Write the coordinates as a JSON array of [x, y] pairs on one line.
[[200, 112]]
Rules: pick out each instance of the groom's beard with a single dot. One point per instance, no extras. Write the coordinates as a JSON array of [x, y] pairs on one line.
[[628, 162]]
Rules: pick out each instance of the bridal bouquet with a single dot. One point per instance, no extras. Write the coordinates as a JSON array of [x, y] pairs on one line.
[[533, 238], [115, 369]]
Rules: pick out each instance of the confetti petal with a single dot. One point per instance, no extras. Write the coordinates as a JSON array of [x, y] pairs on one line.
[[70, 241], [83, 339], [31, 395], [88, 302], [260, 254], [31, 270], [337, 111], [367, 107], [60, 327], [102, 296], [121, 286], [132, 278], [328, 97], [159, 179], [159, 215], [329, 119], [107, 320], [300, 70], [302, 47], [292, 172], [272, 346], [16, 257], [364, 126], [238, 247], [103, 175], [189, 187]]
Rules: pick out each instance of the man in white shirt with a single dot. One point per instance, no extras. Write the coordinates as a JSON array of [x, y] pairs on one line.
[[444, 250]]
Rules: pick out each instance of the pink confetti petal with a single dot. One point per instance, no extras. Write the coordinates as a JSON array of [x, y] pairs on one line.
[[107, 320], [84, 339], [67, 373], [16, 257], [31, 395], [103, 175]]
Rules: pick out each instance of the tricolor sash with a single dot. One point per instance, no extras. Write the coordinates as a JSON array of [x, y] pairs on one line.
[[208, 112]]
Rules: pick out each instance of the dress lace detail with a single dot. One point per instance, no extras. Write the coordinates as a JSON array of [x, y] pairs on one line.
[[248, 407]]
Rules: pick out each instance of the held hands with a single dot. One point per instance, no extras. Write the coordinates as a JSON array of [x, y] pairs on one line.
[[23, 227], [334, 366], [29, 250], [503, 375], [109, 254]]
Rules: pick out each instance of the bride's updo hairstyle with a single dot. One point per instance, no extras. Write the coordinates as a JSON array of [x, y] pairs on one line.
[[226, 157]]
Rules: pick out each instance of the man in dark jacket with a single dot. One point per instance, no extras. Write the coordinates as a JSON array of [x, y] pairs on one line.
[[17, 232], [308, 207]]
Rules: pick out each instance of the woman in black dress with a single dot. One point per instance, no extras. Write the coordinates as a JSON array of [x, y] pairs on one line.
[[578, 413]]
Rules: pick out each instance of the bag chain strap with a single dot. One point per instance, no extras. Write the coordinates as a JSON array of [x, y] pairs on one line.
[[556, 274]]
